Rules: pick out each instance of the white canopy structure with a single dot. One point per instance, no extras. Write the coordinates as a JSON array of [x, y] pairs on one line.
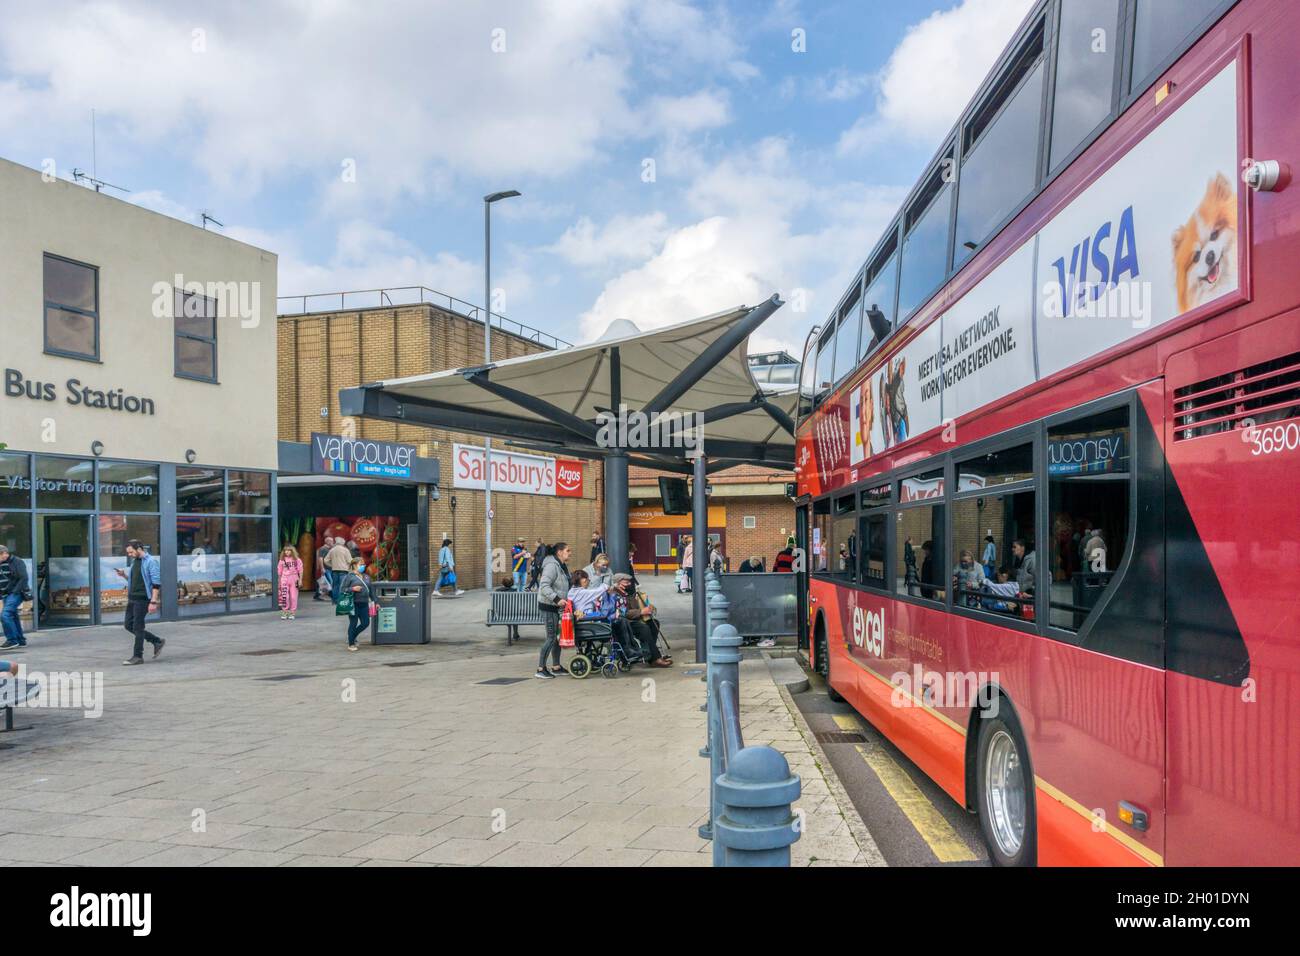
[[554, 400], [694, 375]]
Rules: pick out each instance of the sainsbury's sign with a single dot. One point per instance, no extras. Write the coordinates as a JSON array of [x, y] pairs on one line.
[[511, 471]]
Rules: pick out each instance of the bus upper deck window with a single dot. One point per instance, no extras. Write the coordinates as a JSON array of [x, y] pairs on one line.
[[1085, 72], [1161, 27]]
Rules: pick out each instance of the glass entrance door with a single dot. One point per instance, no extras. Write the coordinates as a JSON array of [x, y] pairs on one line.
[[63, 586]]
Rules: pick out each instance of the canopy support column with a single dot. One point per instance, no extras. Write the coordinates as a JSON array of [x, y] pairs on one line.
[[616, 511], [700, 549]]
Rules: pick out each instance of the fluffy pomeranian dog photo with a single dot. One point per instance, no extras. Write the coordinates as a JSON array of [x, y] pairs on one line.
[[1205, 247]]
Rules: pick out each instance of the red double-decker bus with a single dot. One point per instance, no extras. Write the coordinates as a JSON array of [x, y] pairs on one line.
[[1048, 444]]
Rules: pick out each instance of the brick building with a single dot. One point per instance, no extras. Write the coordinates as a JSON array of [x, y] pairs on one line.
[[748, 511], [322, 352]]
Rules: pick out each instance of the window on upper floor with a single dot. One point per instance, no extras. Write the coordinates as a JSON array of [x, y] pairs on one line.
[[1161, 27], [826, 359], [196, 336], [71, 308], [1087, 40], [1000, 141], [846, 333], [925, 246], [882, 284]]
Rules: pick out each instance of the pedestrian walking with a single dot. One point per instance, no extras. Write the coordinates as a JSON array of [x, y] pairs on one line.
[[535, 570], [14, 590], [356, 586], [143, 595], [552, 590], [688, 564], [519, 558], [446, 568], [289, 574], [990, 556], [337, 561], [321, 571]]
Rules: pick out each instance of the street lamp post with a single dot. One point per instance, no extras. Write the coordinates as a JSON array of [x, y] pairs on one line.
[[488, 200]]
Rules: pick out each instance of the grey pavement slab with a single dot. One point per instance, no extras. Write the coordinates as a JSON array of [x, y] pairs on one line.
[[219, 755]]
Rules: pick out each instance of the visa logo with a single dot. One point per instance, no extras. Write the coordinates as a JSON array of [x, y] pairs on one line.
[[1096, 265]]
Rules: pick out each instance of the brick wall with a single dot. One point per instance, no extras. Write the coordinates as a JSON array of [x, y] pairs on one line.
[[321, 353], [774, 517]]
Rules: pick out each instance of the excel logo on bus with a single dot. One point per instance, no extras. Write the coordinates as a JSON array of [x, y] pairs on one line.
[[869, 629]]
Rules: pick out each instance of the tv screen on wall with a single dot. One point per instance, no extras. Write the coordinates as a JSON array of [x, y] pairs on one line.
[[676, 496]]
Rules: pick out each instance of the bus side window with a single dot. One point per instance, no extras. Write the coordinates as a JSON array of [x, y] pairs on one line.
[[1088, 481], [919, 537], [842, 554], [821, 533]]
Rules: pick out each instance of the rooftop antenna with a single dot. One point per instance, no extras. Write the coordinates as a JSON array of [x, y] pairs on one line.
[[81, 176], [93, 179], [207, 217]]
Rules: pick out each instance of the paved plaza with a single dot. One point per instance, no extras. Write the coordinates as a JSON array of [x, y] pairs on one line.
[[257, 742]]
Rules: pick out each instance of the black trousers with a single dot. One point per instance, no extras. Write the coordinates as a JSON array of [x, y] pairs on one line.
[[551, 646], [645, 635], [137, 609]]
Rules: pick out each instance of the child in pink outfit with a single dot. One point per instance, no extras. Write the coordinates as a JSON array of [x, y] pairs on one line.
[[289, 572]]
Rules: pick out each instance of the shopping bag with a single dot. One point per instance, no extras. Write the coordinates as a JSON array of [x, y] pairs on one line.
[[451, 578], [323, 586], [374, 609], [343, 606], [566, 625]]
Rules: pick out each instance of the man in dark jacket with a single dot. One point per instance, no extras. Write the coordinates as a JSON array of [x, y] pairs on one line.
[[143, 595], [13, 591], [535, 568]]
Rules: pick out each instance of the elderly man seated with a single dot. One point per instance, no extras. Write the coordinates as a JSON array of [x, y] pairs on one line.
[[642, 619]]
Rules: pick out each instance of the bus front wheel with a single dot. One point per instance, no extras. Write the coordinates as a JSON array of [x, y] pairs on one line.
[[1006, 791], [824, 662]]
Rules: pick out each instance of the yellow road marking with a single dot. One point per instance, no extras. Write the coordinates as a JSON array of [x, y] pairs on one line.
[[847, 722], [936, 831]]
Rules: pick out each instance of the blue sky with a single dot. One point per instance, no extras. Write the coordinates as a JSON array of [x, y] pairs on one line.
[[357, 140]]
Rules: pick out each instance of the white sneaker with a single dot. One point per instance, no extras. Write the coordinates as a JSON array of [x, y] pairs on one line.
[[459, 592], [283, 616], [291, 617], [767, 642], [352, 647]]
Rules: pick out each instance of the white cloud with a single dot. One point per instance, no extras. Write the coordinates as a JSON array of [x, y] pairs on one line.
[[365, 256], [933, 72], [761, 227], [415, 94], [622, 238], [703, 109]]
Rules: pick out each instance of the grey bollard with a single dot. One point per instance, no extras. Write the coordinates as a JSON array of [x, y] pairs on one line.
[[724, 665], [719, 608], [754, 825], [716, 609]]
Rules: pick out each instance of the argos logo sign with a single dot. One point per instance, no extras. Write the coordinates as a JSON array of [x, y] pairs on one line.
[[869, 630], [568, 478]]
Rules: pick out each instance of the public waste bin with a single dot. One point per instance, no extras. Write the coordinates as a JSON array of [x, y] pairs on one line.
[[1088, 589], [403, 612]]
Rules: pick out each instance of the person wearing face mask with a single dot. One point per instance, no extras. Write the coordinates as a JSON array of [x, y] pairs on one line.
[[599, 570], [356, 584], [968, 577]]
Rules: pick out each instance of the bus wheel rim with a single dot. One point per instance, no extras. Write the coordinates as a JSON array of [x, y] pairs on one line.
[[1004, 797]]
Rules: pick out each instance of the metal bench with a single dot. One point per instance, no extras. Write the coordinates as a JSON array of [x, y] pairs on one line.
[[12, 693], [512, 610]]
